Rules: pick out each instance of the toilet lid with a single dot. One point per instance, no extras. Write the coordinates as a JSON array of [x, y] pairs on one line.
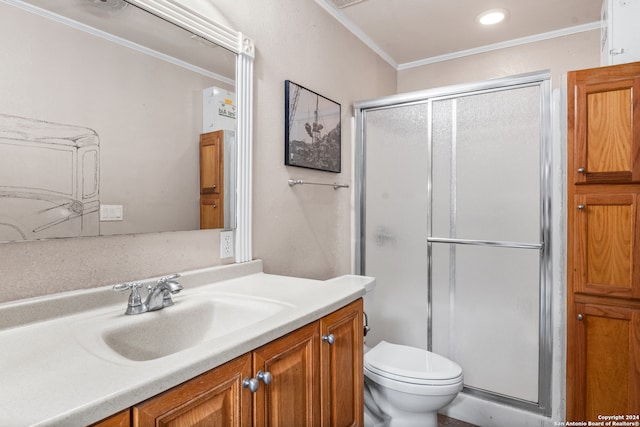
[[410, 364]]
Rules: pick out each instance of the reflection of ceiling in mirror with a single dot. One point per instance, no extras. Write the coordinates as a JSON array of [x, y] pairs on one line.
[[140, 27]]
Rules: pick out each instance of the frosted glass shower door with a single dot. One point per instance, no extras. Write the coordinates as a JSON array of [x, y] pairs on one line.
[[486, 234], [396, 206], [454, 219]]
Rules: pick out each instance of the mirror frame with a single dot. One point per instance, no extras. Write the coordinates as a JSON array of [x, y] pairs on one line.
[[195, 22]]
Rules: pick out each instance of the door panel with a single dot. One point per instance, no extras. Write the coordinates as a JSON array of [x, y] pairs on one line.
[[293, 396]]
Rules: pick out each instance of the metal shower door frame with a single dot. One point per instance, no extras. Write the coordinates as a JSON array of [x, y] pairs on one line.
[[545, 339]]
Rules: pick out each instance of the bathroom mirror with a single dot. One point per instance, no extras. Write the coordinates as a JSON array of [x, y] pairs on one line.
[[101, 109]]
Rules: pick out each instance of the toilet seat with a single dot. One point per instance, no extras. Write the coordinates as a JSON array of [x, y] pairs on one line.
[[411, 365]]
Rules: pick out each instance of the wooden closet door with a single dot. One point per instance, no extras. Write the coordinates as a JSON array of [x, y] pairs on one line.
[[604, 123], [607, 244], [605, 362]]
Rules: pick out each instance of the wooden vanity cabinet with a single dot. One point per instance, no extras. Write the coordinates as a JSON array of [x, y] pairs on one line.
[[342, 369], [121, 419], [603, 242], [293, 396], [215, 398], [314, 382]]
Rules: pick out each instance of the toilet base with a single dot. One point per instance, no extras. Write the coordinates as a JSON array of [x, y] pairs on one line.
[[422, 420], [399, 409]]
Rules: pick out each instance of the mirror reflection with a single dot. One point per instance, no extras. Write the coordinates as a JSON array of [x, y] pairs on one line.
[[101, 115]]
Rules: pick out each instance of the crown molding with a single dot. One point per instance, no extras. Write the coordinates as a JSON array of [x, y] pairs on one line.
[[340, 17], [502, 45]]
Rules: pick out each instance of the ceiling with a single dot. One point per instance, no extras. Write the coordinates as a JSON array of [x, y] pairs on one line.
[[409, 33]]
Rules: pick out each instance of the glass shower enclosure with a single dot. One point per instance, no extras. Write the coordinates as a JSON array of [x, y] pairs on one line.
[[453, 218]]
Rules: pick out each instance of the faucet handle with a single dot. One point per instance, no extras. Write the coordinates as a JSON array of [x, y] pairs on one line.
[[135, 305], [167, 278], [127, 286]]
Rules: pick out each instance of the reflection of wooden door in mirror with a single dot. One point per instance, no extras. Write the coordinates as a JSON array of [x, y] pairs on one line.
[[212, 180], [211, 156]]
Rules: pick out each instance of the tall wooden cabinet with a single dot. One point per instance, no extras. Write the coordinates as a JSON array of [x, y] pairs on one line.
[[603, 242]]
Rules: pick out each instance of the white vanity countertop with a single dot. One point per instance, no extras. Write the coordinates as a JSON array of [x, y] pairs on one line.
[[55, 370]]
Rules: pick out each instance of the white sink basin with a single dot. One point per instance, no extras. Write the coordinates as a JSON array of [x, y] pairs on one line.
[[190, 322]]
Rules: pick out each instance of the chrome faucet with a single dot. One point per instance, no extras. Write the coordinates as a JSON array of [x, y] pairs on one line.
[[158, 296]]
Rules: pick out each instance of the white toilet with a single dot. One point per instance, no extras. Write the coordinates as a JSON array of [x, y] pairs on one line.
[[408, 385]]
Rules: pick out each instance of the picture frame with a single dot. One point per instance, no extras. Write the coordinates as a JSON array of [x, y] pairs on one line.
[[313, 137]]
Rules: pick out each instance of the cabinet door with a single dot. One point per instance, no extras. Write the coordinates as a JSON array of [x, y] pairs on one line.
[[121, 419], [211, 158], [341, 360], [211, 211], [293, 396], [604, 124], [606, 245], [215, 398], [605, 362]]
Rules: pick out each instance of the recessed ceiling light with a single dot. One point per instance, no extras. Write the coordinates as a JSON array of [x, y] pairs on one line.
[[492, 16]]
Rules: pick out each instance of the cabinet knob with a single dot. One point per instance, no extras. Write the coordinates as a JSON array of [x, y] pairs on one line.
[[250, 383], [329, 338], [580, 170], [580, 317], [581, 207], [264, 376]]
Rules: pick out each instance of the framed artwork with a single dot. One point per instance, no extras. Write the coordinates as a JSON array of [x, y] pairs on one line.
[[312, 129]]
